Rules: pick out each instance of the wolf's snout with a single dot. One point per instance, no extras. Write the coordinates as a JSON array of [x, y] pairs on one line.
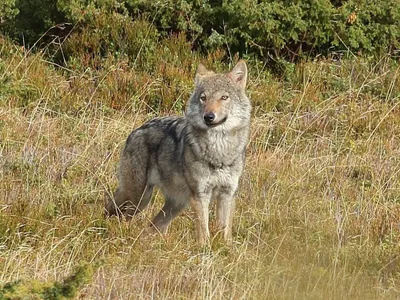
[[209, 117]]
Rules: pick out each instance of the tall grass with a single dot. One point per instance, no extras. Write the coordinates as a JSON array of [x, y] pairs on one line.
[[318, 212]]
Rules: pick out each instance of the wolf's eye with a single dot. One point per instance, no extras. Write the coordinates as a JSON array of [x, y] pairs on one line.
[[203, 98], [224, 97]]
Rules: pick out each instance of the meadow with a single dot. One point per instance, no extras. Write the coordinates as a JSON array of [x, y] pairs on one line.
[[318, 208]]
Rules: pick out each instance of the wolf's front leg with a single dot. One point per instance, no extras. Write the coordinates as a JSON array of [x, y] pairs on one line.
[[171, 209], [200, 206], [225, 212]]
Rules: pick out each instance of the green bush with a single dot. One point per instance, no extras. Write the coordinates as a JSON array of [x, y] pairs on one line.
[[7, 10], [31, 19], [370, 26], [268, 29], [67, 289], [285, 29]]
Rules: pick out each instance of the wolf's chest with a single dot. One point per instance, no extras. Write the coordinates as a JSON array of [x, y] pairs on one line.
[[220, 150]]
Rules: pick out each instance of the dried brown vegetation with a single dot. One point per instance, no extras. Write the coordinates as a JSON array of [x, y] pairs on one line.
[[318, 212]]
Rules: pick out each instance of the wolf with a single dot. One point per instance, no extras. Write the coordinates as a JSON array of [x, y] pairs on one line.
[[194, 160]]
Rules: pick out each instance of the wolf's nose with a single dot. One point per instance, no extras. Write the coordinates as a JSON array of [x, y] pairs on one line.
[[209, 117]]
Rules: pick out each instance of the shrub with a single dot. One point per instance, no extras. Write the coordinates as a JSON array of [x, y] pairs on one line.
[[268, 28], [67, 289], [7, 10], [286, 29], [368, 26], [31, 19]]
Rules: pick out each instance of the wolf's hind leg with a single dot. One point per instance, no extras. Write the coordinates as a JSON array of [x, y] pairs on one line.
[[115, 205], [133, 193], [128, 203], [169, 211], [139, 202]]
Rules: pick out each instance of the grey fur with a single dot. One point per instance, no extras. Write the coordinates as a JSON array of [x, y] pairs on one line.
[[189, 160]]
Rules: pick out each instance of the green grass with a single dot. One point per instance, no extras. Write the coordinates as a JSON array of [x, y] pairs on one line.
[[318, 213]]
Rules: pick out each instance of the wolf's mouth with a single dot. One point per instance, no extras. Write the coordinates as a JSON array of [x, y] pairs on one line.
[[216, 124]]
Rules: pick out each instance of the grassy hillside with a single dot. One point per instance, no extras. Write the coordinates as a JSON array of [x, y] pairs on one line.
[[318, 213]]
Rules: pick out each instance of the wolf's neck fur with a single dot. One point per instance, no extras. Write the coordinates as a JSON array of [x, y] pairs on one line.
[[218, 148]]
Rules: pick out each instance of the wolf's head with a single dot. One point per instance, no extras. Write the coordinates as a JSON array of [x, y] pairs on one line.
[[219, 101]]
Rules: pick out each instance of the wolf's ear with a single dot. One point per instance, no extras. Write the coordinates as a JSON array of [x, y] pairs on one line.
[[201, 72], [239, 74]]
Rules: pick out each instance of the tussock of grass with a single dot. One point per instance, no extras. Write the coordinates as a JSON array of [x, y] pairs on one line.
[[33, 289], [318, 209]]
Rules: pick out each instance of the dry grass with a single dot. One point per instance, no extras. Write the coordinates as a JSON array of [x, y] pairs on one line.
[[318, 213]]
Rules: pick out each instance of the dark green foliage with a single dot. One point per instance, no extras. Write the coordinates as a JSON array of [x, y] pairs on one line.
[[285, 29], [33, 19], [372, 26], [7, 10], [267, 28]]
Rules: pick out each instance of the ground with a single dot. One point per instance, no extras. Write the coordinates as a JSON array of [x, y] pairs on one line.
[[318, 207]]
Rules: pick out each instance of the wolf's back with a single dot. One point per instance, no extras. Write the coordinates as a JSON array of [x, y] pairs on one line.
[[158, 141]]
